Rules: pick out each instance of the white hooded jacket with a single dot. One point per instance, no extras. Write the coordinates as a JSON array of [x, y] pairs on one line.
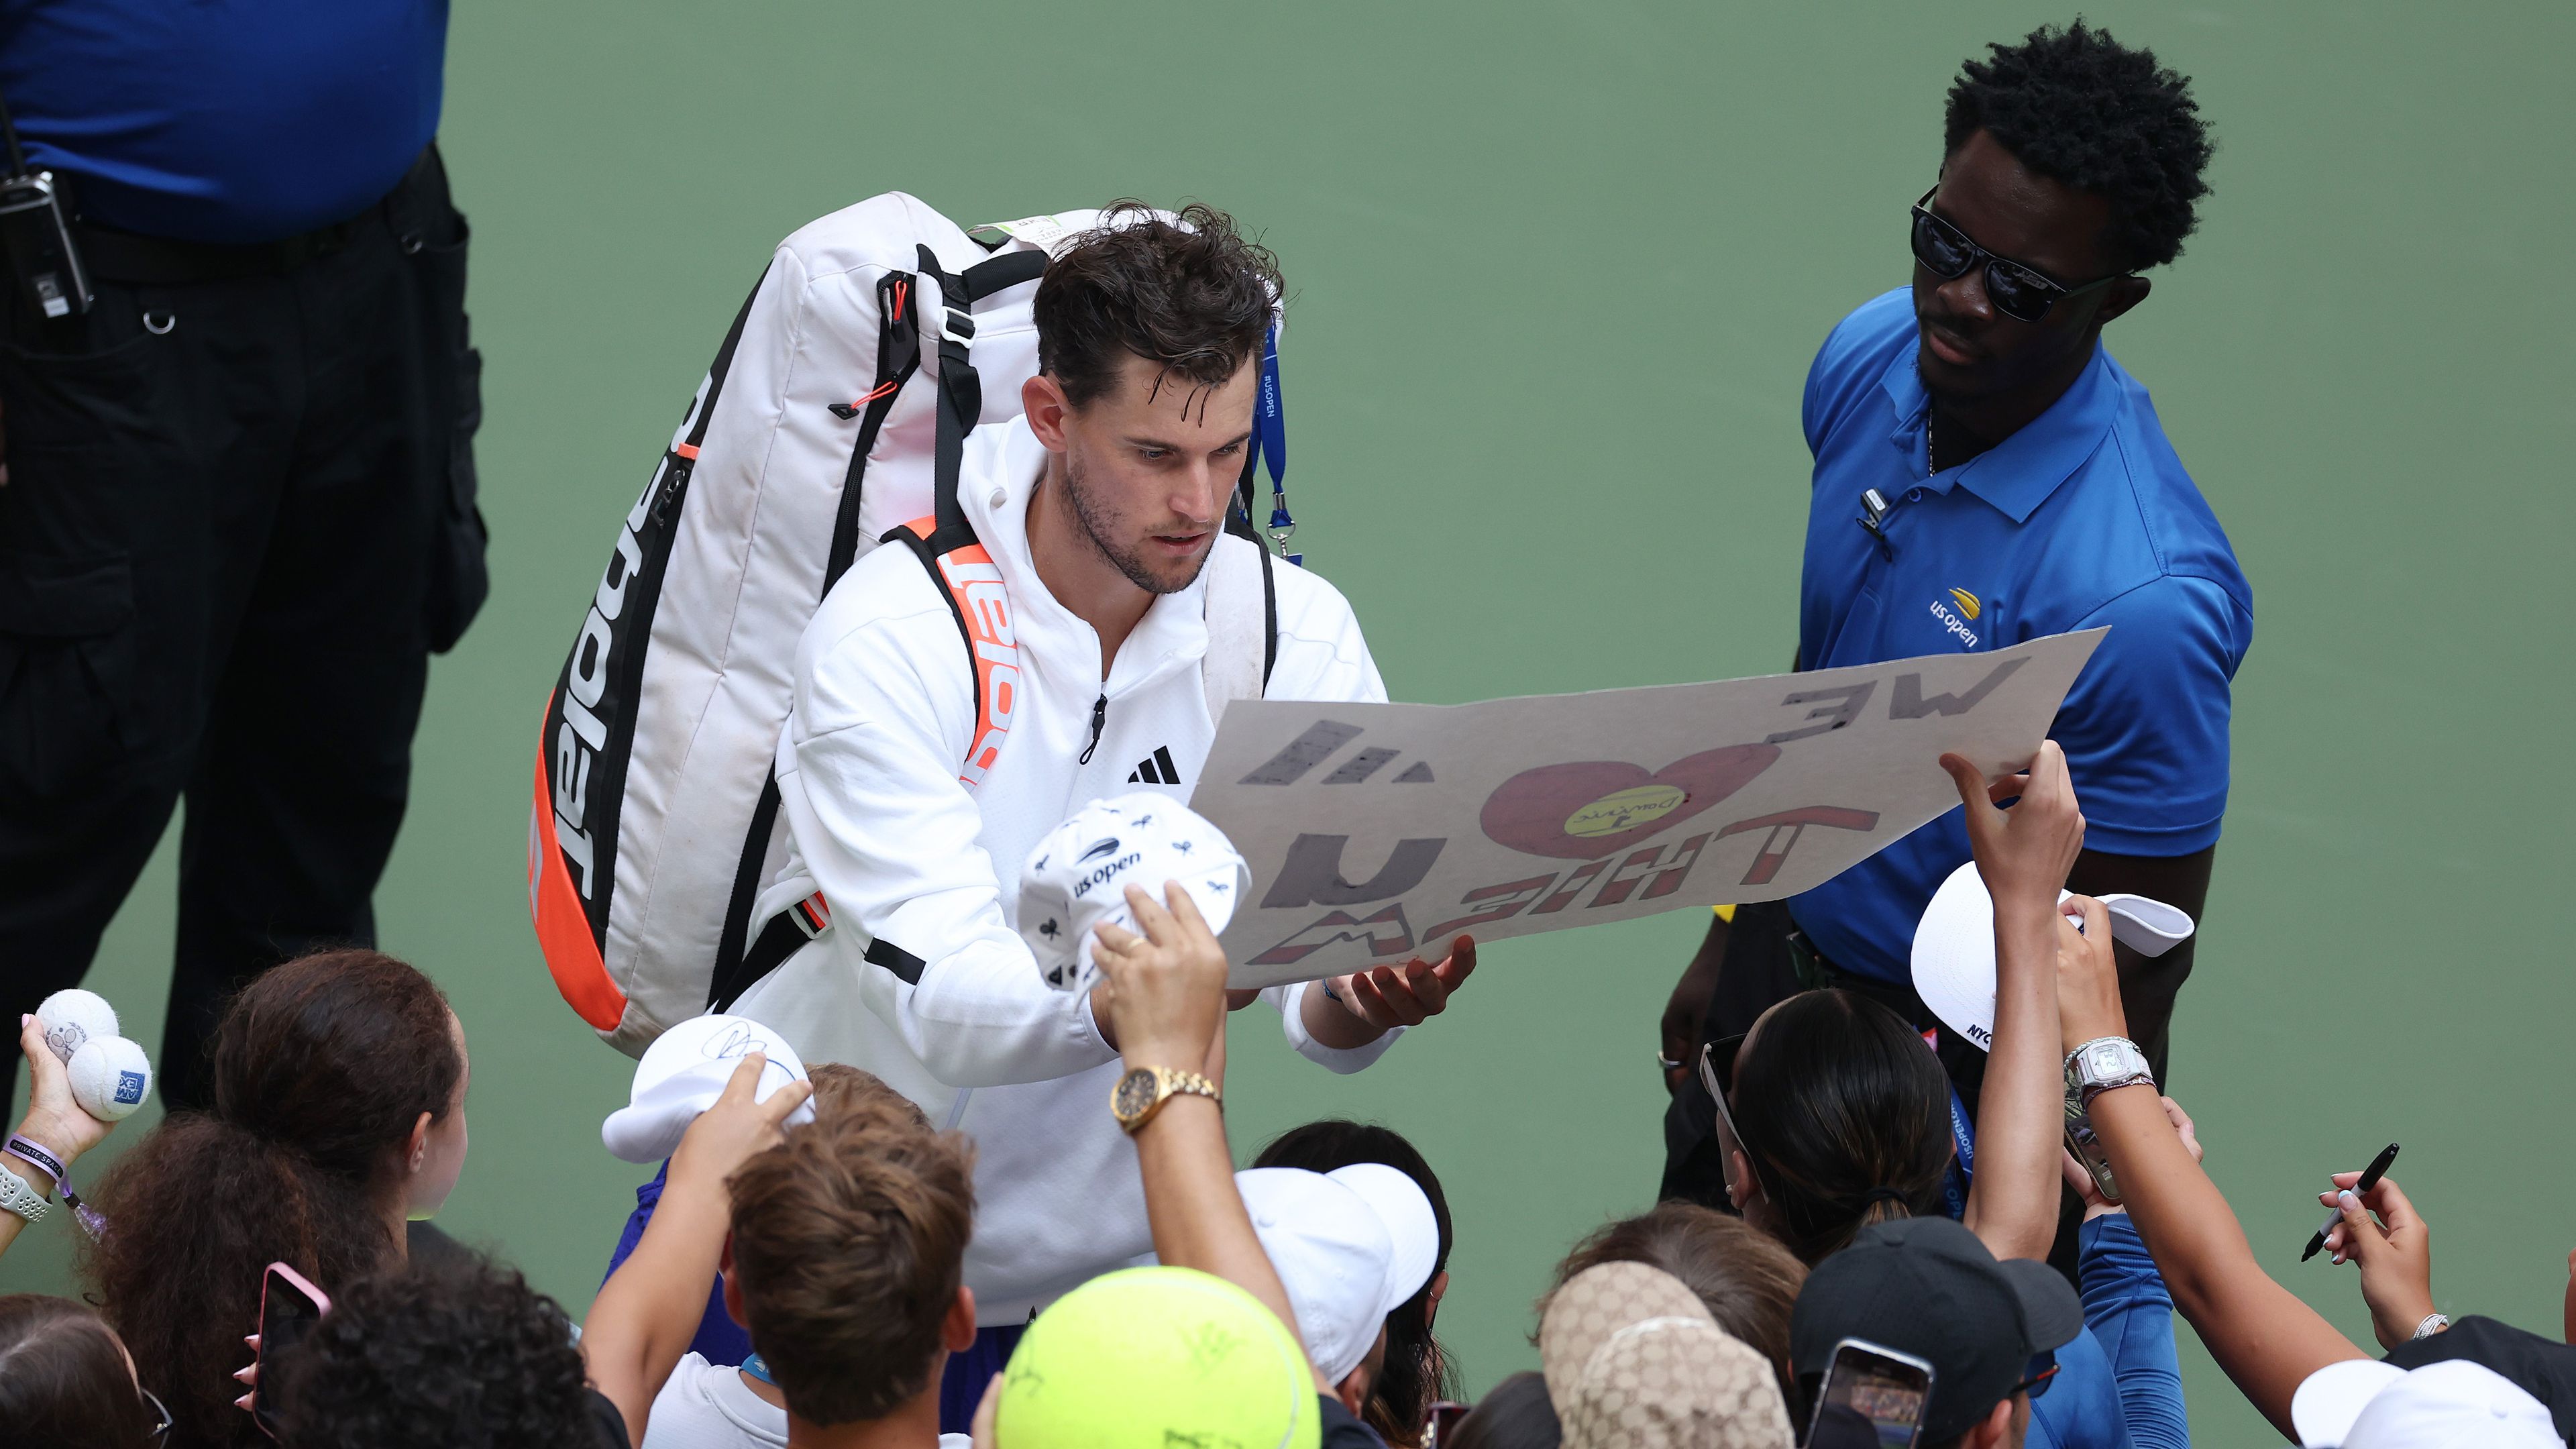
[[922, 978]]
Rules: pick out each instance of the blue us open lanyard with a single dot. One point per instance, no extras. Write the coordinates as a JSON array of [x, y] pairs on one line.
[[1270, 445], [1963, 1167]]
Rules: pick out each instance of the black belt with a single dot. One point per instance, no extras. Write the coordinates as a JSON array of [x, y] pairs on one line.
[[152, 261]]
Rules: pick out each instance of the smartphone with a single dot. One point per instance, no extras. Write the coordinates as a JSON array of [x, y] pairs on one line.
[[1872, 1398], [1440, 1421], [2087, 1148], [289, 1306]]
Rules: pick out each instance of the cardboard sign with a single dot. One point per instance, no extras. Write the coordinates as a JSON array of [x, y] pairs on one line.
[[1379, 831]]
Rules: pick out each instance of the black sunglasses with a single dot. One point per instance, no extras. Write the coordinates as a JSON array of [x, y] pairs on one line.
[[2017, 289], [2036, 1378], [1717, 1077]]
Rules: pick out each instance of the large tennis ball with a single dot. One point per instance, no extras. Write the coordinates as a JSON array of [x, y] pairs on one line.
[[72, 1016], [1156, 1357]]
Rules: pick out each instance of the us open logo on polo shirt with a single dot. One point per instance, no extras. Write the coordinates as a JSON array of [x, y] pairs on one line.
[[1968, 605]]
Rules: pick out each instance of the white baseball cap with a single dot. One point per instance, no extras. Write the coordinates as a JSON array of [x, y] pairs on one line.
[[1351, 1245], [1954, 947], [682, 1074], [2362, 1403], [1077, 876]]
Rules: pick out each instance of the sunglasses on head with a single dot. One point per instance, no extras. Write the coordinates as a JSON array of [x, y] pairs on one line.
[[2018, 290], [1717, 1075]]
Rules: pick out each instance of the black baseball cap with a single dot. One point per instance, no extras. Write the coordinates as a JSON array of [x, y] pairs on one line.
[[1928, 1287], [2540, 1367]]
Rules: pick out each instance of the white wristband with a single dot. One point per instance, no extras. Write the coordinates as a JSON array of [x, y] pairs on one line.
[[18, 1197]]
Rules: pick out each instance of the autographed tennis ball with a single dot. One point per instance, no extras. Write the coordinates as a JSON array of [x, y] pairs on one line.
[[110, 1078], [1157, 1356], [73, 1016]]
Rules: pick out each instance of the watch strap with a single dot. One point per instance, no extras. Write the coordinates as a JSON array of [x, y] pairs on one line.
[[2079, 1062], [17, 1196], [1170, 1082]]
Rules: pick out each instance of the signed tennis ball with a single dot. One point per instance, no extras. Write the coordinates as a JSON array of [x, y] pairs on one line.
[[1157, 1356], [110, 1078], [74, 1016]]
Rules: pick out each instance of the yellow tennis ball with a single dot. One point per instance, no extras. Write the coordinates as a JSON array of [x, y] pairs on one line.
[[1150, 1357]]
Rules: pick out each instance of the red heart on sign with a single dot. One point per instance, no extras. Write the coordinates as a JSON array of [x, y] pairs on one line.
[[1614, 802]]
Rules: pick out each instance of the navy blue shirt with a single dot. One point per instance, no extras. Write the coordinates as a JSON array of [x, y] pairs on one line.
[[224, 120], [2083, 518]]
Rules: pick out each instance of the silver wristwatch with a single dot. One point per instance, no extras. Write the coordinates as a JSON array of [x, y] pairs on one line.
[[17, 1197], [2106, 1062]]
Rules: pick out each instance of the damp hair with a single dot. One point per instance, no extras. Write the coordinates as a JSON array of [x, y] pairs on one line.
[[1747, 1280], [63, 1381], [1193, 298], [320, 1068], [434, 1354], [2080, 108], [1840, 1105], [1418, 1371]]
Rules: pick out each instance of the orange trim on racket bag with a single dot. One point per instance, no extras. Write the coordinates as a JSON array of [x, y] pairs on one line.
[[983, 610], [563, 927]]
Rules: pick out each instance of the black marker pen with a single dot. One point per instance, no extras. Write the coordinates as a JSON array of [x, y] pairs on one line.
[[2369, 1180]]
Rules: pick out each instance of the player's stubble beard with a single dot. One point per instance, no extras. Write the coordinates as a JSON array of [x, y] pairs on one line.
[[1101, 526]]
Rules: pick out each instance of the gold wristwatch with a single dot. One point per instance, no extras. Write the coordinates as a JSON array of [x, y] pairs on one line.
[[1143, 1090]]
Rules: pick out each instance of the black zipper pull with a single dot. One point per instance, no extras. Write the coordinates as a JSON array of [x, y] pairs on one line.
[[1099, 717]]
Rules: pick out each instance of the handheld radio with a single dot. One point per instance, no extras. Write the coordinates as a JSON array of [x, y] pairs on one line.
[[38, 236]]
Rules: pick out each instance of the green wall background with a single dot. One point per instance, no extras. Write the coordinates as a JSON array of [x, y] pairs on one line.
[[1558, 271]]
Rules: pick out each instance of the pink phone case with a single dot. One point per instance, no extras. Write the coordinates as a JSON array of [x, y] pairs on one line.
[[321, 1304]]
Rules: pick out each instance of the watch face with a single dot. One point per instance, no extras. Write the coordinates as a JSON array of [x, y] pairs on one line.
[[2106, 1062], [1136, 1092]]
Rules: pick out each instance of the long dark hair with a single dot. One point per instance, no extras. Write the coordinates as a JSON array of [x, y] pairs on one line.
[[1418, 1370], [321, 1067], [1846, 1115], [63, 1384], [1746, 1278]]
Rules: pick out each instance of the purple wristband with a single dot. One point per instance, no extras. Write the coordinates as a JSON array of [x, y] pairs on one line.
[[44, 1159]]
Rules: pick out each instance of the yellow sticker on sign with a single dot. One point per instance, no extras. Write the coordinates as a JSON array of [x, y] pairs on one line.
[[1625, 810]]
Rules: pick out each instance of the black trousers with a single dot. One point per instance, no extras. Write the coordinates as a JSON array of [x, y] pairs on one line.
[[239, 516]]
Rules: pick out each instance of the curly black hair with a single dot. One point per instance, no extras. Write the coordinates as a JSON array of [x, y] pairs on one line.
[[2080, 108], [460, 1354]]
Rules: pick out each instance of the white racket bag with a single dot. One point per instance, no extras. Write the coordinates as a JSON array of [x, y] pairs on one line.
[[833, 415]]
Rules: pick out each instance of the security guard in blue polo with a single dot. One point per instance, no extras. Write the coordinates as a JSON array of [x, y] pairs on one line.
[[238, 514], [1985, 474]]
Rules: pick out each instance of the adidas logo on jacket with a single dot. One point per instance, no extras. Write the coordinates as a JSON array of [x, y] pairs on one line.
[[922, 978]]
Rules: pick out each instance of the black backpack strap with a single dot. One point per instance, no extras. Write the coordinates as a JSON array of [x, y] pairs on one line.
[[898, 357]]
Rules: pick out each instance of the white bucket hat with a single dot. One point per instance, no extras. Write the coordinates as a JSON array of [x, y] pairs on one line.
[[1351, 1245], [682, 1074], [2362, 1403], [1077, 877], [1954, 947]]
